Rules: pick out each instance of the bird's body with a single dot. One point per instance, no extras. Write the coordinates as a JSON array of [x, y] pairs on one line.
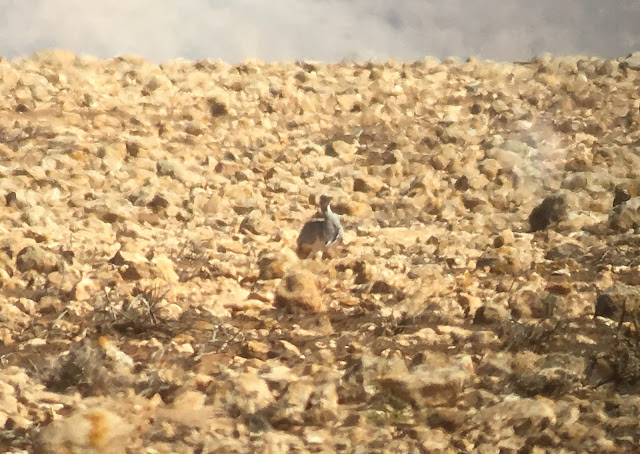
[[320, 234]]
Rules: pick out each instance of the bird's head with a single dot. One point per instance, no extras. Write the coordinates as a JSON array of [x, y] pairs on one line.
[[325, 200]]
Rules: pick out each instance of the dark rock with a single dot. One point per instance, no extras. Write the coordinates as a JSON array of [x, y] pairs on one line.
[[382, 287], [217, 108], [552, 209], [449, 419], [625, 216], [490, 314], [11, 198], [133, 149], [37, 259], [621, 195]]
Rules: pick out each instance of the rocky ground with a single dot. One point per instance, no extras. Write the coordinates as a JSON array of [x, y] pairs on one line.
[[152, 301]]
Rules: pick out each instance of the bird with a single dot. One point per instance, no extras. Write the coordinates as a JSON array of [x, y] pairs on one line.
[[320, 234]]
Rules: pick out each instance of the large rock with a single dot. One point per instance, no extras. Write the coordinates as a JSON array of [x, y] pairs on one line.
[[91, 431]]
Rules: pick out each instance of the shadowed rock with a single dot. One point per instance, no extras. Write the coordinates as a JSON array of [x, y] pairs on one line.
[[552, 209]]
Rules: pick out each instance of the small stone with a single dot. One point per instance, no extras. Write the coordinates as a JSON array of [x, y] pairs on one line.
[[489, 168], [194, 128], [552, 209], [170, 312], [562, 288], [353, 208], [575, 181], [428, 386], [255, 349], [227, 168], [449, 419], [600, 371], [566, 250], [470, 304], [133, 149], [292, 405], [217, 108], [257, 223], [246, 206], [273, 265], [496, 367], [158, 82], [491, 314], [213, 205], [173, 169], [522, 415], [367, 184], [298, 290], [505, 260], [621, 195], [381, 287], [607, 306], [632, 61], [340, 149], [289, 350], [499, 106], [37, 259], [625, 216], [63, 282]]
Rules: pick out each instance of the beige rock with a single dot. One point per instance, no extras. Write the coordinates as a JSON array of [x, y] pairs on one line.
[[55, 57], [298, 290], [158, 82], [346, 152], [170, 311], [165, 268], [64, 282], [514, 410], [86, 431], [291, 407], [289, 350], [255, 349], [426, 386], [36, 258], [367, 184], [273, 265], [257, 223], [255, 393]]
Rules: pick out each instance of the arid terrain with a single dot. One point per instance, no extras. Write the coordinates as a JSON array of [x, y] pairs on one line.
[[485, 297]]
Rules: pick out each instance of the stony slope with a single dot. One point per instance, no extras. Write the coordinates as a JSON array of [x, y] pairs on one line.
[[152, 300]]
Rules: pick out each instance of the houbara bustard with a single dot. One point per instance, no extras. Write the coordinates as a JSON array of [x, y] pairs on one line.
[[320, 234]]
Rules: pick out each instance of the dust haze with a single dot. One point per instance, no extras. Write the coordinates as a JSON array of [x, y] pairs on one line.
[[324, 30]]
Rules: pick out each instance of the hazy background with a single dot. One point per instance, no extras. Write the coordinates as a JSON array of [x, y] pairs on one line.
[[327, 30]]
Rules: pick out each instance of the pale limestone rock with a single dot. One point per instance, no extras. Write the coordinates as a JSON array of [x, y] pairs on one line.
[[298, 291], [86, 431]]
